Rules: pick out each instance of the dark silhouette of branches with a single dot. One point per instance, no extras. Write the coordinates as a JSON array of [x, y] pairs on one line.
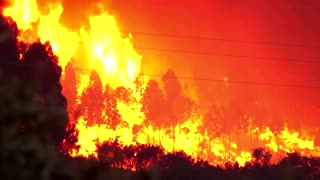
[[261, 156]]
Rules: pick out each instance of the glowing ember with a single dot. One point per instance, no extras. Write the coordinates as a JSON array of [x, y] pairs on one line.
[[109, 104]]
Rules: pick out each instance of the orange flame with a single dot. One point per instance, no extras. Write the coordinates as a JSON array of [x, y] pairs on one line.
[[102, 48]]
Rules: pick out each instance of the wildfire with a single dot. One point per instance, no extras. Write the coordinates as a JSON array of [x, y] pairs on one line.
[[109, 94]]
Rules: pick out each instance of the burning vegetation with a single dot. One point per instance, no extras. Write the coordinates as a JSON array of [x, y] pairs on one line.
[[123, 117], [109, 97]]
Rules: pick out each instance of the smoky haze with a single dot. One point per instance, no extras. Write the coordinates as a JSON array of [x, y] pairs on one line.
[[292, 27], [288, 31]]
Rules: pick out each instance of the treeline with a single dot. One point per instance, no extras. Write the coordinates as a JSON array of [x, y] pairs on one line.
[[178, 165]]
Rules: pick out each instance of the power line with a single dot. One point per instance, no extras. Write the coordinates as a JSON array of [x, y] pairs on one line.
[[141, 33], [195, 78], [229, 55], [287, 60], [213, 80], [239, 82], [224, 40], [219, 80], [242, 56], [218, 54]]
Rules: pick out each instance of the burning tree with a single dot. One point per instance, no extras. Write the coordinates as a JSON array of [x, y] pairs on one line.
[[92, 100], [180, 107], [154, 106]]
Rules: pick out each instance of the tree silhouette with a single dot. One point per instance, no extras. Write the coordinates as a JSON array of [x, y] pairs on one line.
[[111, 153], [148, 155], [176, 160], [293, 159], [261, 156], [154, 106], [69, 90], [129, 153], [180, 107], [70, 140], [9, 48], [44, 77], [36, 66]]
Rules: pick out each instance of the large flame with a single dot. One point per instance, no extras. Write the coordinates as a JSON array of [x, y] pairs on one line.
[[107, 100]]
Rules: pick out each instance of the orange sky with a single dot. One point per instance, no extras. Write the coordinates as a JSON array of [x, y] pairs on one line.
[[287, 21]]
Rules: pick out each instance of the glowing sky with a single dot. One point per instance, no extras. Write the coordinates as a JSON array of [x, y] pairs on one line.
[[286, 21]]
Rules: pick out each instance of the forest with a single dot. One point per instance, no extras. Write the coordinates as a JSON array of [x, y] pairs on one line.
[[36, 136]]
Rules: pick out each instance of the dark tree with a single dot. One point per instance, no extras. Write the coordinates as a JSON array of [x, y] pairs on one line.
[[9, 49], [69, 83], [36, 67], [294, 159], [176, 160], [70, 140], [262, 157], [111, 153], [43, 74], [148, 156]]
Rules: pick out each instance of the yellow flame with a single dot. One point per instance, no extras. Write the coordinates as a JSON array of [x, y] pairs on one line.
[[83, 83], [49, 29], [25, 12], [109, 54]]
